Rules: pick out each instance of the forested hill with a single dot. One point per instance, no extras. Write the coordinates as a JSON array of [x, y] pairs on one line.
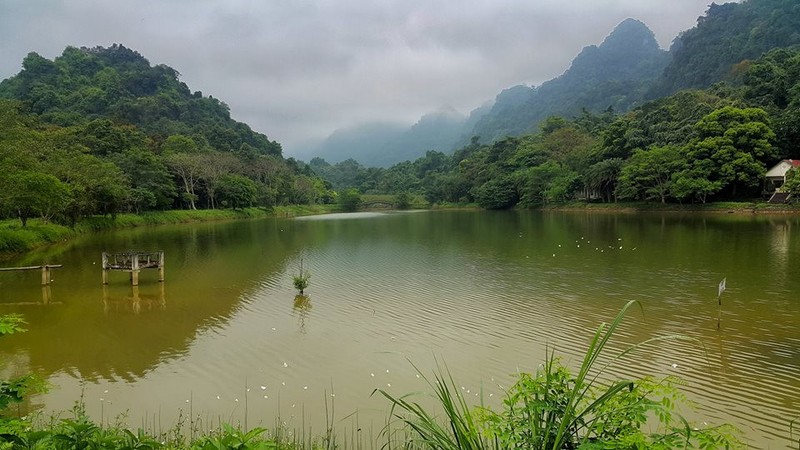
[[117, 83], [614, 75], [101, 131], [726, 40]]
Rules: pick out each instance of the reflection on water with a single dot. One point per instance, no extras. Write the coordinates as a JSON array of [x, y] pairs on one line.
[[341, 216], [302, 306], [485, 292], [136, 298]]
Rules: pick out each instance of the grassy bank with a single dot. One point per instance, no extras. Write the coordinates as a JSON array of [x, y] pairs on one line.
[[14, 238], [718, 207]]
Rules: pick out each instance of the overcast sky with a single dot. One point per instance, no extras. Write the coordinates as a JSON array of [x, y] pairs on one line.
[[296, 70]]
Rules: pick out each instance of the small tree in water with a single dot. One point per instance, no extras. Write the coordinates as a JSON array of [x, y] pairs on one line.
[[301, 280]]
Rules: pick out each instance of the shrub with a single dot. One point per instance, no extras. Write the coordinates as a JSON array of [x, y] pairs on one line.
[[349, 200]]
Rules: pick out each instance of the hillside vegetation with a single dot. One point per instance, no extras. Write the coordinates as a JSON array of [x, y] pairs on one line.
[[101, 131], [692, 147], [627, 69]]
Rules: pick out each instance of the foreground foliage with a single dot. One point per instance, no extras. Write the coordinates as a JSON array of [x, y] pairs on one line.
[[558, 409], [553, 408]]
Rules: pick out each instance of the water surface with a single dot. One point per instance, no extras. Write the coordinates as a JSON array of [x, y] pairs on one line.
[[484, 293]]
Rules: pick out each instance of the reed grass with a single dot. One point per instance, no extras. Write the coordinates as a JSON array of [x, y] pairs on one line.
[[556, 410]]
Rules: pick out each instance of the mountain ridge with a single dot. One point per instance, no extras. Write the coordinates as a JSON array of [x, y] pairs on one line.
[[621, 65]]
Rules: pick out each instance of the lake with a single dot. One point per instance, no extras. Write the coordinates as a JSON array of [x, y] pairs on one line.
[[484, 294]]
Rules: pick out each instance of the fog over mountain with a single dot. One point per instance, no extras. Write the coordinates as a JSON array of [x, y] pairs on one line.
[[613, 75]]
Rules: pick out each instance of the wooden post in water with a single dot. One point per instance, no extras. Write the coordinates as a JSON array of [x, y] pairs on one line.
[[134, 269], [161, 266], [720, 289], [45, 268], [104, 265], [46, 295]]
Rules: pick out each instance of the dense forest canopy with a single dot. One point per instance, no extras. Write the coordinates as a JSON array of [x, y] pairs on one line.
[[100, 131], [725, 39], [117, 83]]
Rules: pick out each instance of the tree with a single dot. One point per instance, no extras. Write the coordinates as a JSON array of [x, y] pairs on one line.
[[601, 178], [214, 166], [648, 174], [237, 191], [691, 184], [499, 193], [182, 156], [274, 178], [96, 186], [792, 185], [452, 188], [738, 142], [27, 194], [547, 183], [302, 191], [402, 200], [147, 173]]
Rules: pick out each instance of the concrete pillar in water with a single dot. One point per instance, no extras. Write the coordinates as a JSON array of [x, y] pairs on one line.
[[135, 270]]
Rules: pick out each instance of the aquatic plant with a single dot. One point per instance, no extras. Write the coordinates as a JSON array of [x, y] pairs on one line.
[[301, 279], [14, 390]]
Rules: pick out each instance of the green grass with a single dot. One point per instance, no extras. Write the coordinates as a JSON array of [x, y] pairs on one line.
[[15, 238]]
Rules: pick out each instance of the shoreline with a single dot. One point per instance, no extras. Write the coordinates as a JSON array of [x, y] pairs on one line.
[[742, 208], [16, 239]]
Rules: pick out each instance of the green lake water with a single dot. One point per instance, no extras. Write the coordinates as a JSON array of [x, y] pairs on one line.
[[485, 293]]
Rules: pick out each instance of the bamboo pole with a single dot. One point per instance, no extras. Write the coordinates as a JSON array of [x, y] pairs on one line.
[[720, 289]]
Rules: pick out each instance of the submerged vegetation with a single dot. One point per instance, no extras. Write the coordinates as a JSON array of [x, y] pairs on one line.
[[552, 409]]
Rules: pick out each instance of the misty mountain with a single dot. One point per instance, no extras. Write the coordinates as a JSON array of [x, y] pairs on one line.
[[616, 74], [357, 142], [434, 131], [378, 144], [625, 70]]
